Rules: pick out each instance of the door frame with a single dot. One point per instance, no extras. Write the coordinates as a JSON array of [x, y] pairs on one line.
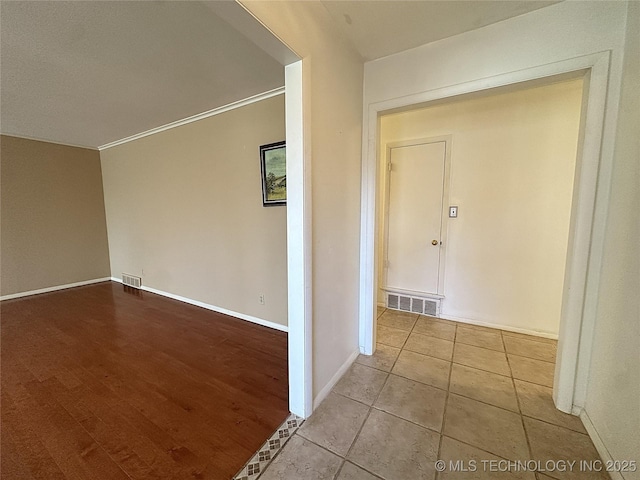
[[299, 234], [444, 218], [586, 236]]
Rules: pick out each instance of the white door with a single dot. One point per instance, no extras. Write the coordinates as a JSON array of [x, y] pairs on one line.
[[414, 223]]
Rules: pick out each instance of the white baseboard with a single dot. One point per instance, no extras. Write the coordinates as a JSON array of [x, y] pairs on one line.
[[598, 443], [197, 303], [341, 371], [535, 333], [54, 289]]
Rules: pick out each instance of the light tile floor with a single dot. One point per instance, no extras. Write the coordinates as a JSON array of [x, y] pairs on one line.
[[433, 390]]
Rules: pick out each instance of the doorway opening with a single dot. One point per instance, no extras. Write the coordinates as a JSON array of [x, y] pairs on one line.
[[488, 194], [569, 376], [511, 156]]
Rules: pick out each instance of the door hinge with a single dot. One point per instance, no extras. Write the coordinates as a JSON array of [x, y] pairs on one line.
[[389, 166]]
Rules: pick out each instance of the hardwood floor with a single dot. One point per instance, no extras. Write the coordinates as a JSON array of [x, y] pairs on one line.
[[103, 383]]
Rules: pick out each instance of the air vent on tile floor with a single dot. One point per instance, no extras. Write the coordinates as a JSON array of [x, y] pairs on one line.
[[406, 303]]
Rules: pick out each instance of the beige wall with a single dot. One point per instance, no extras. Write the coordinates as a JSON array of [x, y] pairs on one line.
[[53, 220], [564, 32], [184, 212], [332, 82], [512, 169], [613, 392]]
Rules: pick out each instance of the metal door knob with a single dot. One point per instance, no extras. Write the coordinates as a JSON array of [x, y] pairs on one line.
[[434, 242]]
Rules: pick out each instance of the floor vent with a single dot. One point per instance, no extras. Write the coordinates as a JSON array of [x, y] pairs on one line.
[[406, 303], [131, 281]]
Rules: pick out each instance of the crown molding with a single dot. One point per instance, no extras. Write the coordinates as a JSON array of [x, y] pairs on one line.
[[199, 116]]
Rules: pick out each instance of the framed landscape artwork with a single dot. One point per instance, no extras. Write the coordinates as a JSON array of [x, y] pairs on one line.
[[273, 162]]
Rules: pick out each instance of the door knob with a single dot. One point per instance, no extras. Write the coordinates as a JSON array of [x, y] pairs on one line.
[[434, 242]]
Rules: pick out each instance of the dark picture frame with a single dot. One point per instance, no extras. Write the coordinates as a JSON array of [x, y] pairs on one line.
[[273, 166]]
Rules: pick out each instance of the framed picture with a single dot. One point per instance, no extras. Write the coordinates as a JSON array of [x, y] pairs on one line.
[[273, 163]]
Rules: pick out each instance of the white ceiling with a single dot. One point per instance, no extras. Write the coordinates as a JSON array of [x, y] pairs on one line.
[[93, 72], [381, 28], [89, 73]]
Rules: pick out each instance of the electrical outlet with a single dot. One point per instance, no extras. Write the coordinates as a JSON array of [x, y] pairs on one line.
[[261, 298]]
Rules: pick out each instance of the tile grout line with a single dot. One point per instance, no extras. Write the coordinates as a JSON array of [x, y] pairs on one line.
[[448, 390], [345, 460], [458, 395], [495, 406], [400, 329], [515, 391], [405, 342], [518, 412], [339, 471], [534, 338], [342, 458], [546, 422], [504, 350], [393, 366], [446, 403], [495, 373], [455, 341], [357, 435], [458, 363], [371, 407], [388, 373], [355, 439], [507, 410], [499, 455], [532, 358], [468, 345]]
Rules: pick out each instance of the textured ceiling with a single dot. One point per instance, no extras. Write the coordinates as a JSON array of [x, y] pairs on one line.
[[381, 28], [89, 73], [93, 72]]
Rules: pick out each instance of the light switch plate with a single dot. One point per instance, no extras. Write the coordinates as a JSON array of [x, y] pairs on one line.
[[453, 212]]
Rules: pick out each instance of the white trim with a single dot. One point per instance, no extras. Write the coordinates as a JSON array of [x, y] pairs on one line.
[[508, 328], [54, 289], [606, 136], [412, 293], [591, 164], [44, 140], [199, 116], [214, 308], [368, 232], [586, 238], [299, 243], [599, 444], [335, 379]]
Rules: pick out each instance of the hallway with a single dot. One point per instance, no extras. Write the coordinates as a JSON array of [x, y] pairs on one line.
[[437, 389]]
